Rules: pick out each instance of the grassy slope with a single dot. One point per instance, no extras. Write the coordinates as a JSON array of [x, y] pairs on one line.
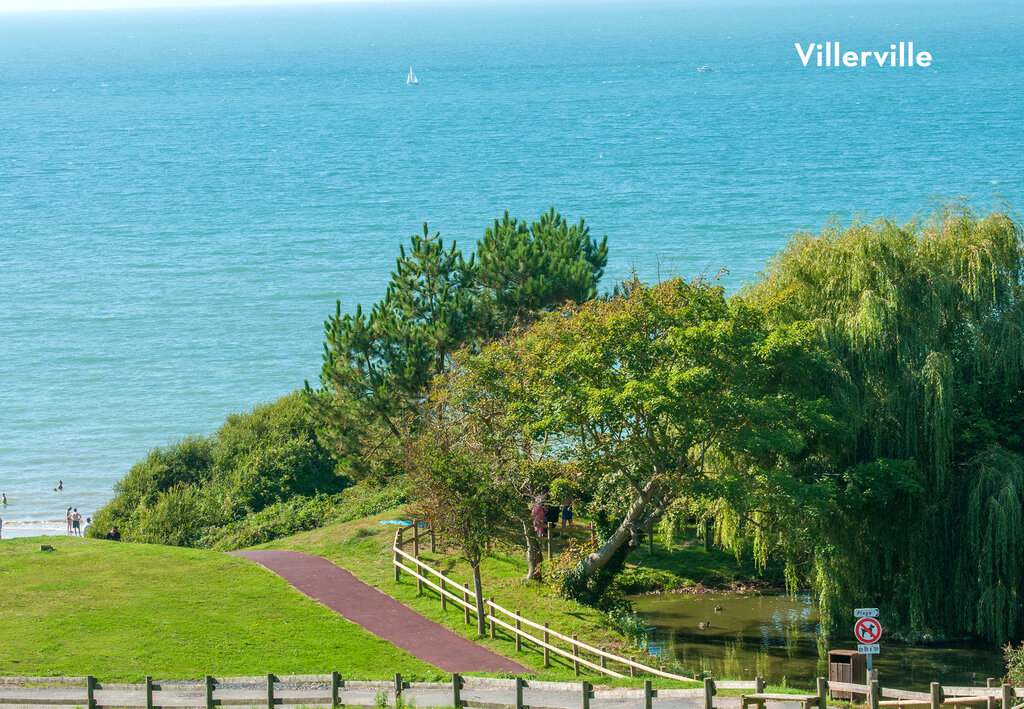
[[122, 611]]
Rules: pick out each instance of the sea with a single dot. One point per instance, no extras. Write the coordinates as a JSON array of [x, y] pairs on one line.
[[185, 193]]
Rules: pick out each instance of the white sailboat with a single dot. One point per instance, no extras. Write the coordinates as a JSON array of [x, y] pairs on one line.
[[411, 79]]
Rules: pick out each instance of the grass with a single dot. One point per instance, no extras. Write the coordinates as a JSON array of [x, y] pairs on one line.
[[123, 611]]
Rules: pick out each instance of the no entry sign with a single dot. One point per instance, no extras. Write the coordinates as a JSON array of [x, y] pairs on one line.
[[867, 631]]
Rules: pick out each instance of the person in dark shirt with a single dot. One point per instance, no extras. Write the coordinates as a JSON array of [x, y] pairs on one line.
[[113, 534]]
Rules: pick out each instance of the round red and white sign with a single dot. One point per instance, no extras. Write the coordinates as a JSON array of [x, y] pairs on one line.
[[867, 630]]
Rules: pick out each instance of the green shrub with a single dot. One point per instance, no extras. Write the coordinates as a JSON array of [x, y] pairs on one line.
[[1014, 664]]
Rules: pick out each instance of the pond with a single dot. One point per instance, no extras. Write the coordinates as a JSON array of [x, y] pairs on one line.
[[776, 637]]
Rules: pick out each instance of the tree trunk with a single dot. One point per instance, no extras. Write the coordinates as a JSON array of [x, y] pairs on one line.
[[533, 554], [480, 625], [709, 532], [595, 561]]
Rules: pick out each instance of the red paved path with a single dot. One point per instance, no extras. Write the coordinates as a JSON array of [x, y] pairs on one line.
[[379, 613]]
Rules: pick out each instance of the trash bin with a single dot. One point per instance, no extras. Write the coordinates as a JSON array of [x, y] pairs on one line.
[[847, 666]]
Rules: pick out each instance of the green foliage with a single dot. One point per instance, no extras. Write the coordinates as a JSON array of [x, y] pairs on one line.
[[1014, 664], [185, 493], [927, 320]]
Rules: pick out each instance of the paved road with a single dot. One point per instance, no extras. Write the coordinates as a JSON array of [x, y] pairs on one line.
[[543, 695], [379, 613]]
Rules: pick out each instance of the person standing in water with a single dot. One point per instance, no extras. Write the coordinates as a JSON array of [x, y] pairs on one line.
[[60, 486], [68, 515], [4, 500]]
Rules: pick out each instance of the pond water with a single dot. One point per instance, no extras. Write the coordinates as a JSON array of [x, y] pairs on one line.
[[777, 637]]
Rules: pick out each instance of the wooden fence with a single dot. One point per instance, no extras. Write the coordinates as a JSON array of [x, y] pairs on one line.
[[261, 691], [495, 616]]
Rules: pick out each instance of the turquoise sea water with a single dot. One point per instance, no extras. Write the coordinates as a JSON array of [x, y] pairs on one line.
[[185, 193]]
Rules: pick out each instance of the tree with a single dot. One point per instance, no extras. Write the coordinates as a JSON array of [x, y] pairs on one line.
[[927, 319], [666, 391]]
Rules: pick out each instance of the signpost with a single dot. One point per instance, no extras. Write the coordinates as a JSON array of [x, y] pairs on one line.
[[868, 631]]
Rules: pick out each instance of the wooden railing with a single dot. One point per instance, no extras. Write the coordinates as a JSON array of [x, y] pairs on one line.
[[513, 622], [213, 692]]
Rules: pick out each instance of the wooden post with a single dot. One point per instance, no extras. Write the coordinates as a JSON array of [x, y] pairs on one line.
[[90, 692], [433, 541], [632, 670], [335, 686], [519, 693], [936, 695], [444, 598], [416, 539], [519, 638], [709, 692], [759, 685], [419, 581], [874, 694], [990, 701], [822, 693], [209, 692], [546, 657], [490, 614], [1007, 696], [604, 662], [575, 653], [149, 692], [456, 691], [593, 532], [708, 531], [587, 693], [465, 608], [270, 691], [648, 694], [398, 686], [398, 559]]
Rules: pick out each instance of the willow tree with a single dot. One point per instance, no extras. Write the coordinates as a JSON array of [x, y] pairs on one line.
[[928, 321]]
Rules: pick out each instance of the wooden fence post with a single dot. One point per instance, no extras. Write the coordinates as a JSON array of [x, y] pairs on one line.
[[990, 702], [587, 693], [648, 694], [465, 608], [604, 662], [593, 532], [398, 559], [519, 693], [575, 653], [709, 692], [415, 539], [546, 657], [759, 685], [209, 692], [444, 598], [936, 695], [1007, 696], [551, 527], [90, 691], [456, 690], [490, 614], [874, 694], [519, 638], [398, 686], [149, 692], [632, 670], [335, 686], [270, 691], [419, 581], [822, 693]]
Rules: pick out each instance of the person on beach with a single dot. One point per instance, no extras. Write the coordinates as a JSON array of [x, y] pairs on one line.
[[60, 486], [113, 535], [76, 523], [68, 515], [4, 500]]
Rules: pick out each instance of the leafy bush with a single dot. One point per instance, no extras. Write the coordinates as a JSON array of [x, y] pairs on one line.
[[1014, 664], [642, 579]]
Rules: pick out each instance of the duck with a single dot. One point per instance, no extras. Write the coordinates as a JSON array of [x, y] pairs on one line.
[[718, 608], [704, 625]]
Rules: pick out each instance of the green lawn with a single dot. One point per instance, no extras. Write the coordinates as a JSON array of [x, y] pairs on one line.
[[363, 547], [122, 611]]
